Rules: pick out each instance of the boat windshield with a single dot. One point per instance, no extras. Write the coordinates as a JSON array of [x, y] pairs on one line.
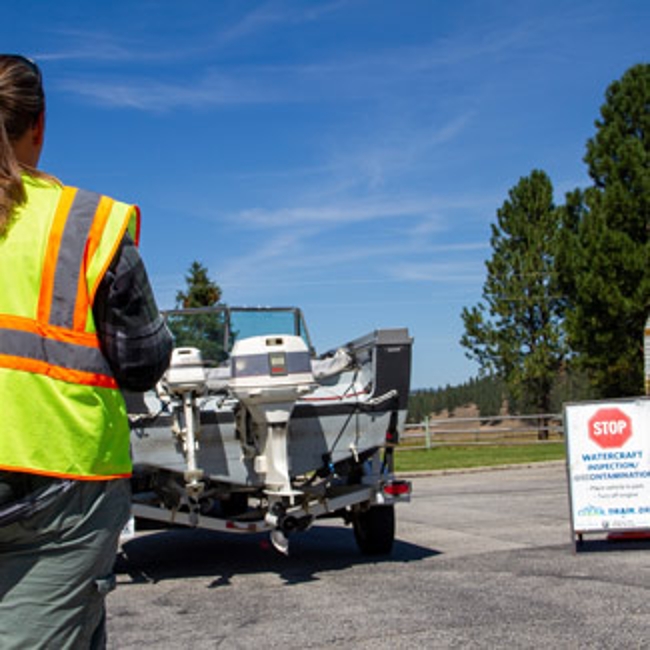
[[246, 322], [214, 330]]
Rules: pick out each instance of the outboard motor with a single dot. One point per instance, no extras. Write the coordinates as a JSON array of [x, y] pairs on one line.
[[268, 375], [186, 379]]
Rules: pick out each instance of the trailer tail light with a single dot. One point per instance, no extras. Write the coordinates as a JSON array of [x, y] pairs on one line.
[[397, 489]]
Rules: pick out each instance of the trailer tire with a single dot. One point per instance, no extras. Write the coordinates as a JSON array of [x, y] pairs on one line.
[[374, 529]]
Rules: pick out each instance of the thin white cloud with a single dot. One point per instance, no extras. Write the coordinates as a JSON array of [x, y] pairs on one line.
[[271, 14], [393, 145], [327, 215], [226, 85], [350, 75], [296, 255], [160, 96], [93, 46], [90, 46], [430, 211], [457, 271]]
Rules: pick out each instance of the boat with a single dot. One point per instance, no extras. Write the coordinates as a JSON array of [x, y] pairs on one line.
[[251, 430]]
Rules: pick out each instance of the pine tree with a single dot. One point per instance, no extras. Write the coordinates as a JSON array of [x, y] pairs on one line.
[[201, 291], [605, 265], [205, 331], [516, 332]]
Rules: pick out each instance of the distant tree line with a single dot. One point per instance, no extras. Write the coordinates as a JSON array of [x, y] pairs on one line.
[[567, 289], [487, 393], [491, 398]]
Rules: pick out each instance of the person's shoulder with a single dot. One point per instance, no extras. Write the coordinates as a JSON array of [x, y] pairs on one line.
[[40, 180], [40, 187], [114, 199]]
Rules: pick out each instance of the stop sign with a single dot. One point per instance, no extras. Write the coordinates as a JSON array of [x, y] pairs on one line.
[[610, 427]]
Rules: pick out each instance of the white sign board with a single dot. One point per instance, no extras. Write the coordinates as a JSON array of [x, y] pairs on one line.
[[608, 460]]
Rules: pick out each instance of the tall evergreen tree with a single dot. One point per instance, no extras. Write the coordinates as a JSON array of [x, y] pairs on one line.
[[516, 330], [205, 331], [201, 291], [605, 266]]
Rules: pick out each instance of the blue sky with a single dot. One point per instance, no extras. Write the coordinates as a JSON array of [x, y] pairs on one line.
[[344, 156]]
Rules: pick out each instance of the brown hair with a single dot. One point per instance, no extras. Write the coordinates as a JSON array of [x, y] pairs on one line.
[[22, 101]]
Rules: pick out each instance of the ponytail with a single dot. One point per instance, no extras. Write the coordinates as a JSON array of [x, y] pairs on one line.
[[22, 101], [12, 191]]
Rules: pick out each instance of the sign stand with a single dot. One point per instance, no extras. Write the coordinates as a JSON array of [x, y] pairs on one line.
[[608, 467]]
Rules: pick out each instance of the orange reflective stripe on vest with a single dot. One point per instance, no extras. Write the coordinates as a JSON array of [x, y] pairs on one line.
[[52, 252], [86, 295]]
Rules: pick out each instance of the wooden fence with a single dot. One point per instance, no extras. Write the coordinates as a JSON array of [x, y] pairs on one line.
[[500, 429]]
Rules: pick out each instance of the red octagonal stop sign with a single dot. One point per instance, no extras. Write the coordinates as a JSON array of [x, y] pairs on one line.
[[610, 427]]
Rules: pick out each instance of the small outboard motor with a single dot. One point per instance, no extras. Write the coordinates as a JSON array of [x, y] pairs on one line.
[[186, 379], [186, 372]]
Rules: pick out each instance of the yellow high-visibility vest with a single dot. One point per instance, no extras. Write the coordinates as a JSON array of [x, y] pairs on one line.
[[61, 411]]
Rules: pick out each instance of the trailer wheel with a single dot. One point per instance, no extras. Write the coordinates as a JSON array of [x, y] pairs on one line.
[[374, 529]]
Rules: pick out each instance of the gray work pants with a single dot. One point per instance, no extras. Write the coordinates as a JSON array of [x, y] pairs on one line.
[[56, 568]]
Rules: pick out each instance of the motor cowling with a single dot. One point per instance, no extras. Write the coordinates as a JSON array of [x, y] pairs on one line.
[[270, 369]]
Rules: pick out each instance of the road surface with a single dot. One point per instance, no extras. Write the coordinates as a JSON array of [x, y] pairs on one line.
[[482, 560]]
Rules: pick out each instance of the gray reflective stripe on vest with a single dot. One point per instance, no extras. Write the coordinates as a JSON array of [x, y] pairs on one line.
[[71, 252], [56, 353]]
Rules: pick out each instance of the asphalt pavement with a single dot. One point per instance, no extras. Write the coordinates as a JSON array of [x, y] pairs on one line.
[[482, 559]]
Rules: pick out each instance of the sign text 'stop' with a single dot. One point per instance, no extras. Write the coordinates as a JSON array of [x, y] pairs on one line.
[[610, 427]]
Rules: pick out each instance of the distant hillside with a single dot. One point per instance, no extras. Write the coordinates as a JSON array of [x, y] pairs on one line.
[[488, 396], [484, 396]]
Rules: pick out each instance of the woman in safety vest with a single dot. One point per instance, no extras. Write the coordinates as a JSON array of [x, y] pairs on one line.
[[78, 323]]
